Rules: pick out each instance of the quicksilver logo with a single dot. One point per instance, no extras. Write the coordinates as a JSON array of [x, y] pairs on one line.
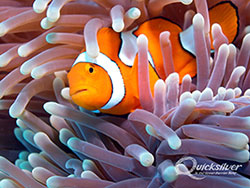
[[205, 169]]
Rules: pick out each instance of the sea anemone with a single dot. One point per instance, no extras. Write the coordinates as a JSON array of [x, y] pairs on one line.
[[204, 119]]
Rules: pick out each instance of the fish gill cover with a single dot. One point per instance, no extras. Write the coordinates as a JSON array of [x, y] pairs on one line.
[[193, 134]]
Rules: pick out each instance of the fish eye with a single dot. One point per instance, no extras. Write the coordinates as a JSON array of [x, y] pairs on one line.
[[91, 70]]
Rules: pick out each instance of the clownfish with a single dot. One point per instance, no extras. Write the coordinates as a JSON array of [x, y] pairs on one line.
[[109, 82]]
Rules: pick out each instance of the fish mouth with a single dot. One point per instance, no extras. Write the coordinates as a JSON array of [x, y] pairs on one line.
[[79, 91]]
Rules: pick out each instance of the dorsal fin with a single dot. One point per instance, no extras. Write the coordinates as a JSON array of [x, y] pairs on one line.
[[152, 29], [226, 15]]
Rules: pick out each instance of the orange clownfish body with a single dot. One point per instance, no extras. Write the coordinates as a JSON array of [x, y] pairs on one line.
[[109, 83]]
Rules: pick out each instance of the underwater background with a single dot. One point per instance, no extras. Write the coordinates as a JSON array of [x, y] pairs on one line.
[[46, 140]]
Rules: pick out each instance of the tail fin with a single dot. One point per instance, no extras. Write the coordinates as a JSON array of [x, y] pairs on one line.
[[226, 15]]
